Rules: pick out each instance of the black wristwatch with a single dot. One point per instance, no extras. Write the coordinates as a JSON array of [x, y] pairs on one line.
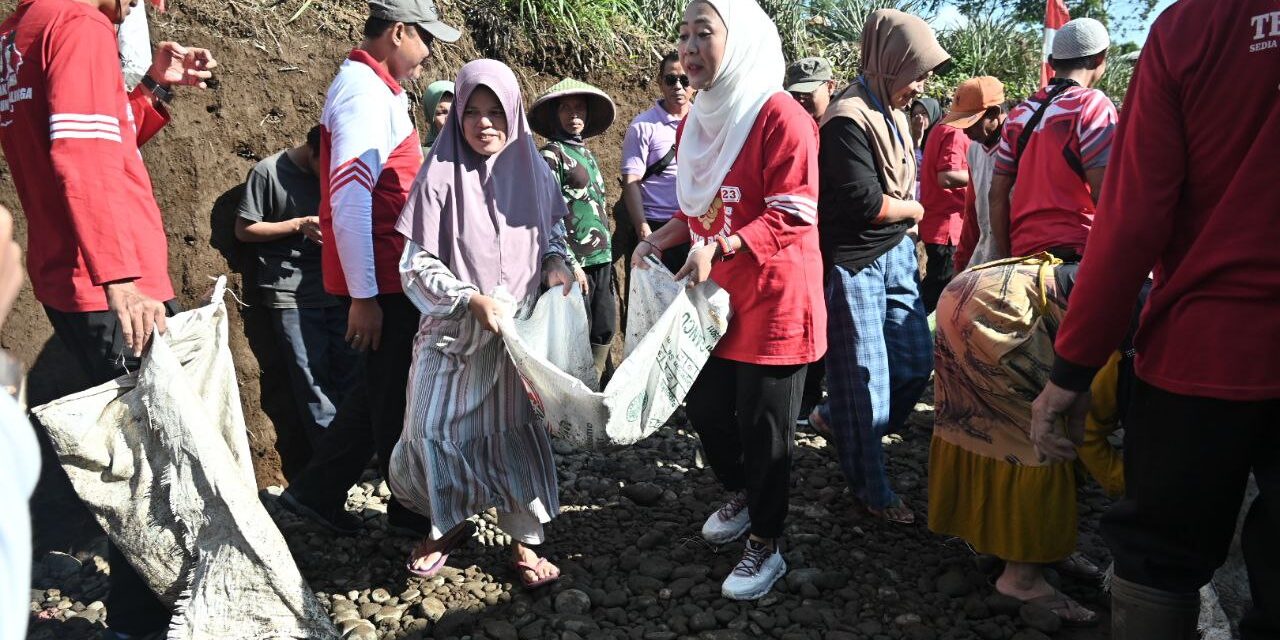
[[161, 93]]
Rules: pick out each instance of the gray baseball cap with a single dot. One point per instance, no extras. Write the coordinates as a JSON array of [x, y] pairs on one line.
[[419, 12], [807, 74], [1080, 38]]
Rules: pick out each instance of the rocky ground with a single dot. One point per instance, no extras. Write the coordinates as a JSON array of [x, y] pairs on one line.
[[634, 566]]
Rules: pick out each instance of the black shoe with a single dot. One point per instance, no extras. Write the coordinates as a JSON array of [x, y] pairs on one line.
[[341, 522]]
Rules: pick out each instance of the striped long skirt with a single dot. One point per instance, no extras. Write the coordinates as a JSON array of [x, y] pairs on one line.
[[471, 440]]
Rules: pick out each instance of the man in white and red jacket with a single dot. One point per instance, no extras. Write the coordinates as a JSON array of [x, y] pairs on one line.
[[96, 247], [369, 156]]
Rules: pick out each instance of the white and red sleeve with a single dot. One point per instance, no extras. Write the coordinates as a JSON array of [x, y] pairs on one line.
[[790, 184], [358, 149], [86, 98]]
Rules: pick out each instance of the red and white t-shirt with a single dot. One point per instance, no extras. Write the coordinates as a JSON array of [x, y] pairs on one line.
[[770, 200], [70, 133], [946, 150], [1052, 204], [369, 156]]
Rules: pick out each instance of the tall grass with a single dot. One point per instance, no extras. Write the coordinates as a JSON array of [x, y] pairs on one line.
[[987, 47], [574, 37]]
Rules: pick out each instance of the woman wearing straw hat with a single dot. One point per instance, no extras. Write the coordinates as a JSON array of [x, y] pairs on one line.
[[567, 114]]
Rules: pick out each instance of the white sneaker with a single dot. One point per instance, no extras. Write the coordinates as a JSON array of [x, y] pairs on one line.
[[729, 522], [760, 567]]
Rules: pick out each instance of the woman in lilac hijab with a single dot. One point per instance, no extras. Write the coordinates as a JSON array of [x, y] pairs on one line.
[[485, 227]]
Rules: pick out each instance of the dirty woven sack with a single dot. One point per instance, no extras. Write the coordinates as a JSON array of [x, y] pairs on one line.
[[135, 46], [671, 330], [161, 458]]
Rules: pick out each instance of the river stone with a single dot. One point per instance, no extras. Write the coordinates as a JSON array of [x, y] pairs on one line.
[[345, 615], [432, 608], [500, 630], [387, 614], [702, 621], [533, 630], [359, 630], [572, 602], [953, 584], [799, 577], [645, 494], [808, 616]]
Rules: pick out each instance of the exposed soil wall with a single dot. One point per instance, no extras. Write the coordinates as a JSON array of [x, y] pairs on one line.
[[269, 90]]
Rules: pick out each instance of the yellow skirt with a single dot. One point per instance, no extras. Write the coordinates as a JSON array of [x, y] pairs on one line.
[[1015, 512], [993, 352]]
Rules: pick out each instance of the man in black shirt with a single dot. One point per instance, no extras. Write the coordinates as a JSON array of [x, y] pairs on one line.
[[279, 214]]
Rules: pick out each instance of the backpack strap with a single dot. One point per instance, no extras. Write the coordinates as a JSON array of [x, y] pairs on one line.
[[1060, 86], [661, 165]]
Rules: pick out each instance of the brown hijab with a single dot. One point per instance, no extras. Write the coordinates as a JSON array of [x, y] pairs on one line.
[[897, 48]]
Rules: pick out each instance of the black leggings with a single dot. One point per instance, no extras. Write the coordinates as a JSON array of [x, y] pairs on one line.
[[745, 415], [1187, 461]]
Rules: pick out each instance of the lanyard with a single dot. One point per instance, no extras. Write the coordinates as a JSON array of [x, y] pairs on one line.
[[893, 124]]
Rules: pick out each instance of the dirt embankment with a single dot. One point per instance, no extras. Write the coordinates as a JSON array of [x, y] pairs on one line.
[[269, 91]]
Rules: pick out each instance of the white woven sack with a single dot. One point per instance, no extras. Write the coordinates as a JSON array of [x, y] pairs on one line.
[[671, 330], [134, 40], [161, 458]]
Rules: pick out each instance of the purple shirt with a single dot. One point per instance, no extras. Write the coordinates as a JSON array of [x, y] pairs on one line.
[[649, 137]]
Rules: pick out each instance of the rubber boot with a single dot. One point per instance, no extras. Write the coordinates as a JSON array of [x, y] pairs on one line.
[[600, 353], [1144, 613]]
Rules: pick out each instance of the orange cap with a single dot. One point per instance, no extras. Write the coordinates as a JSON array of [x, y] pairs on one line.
[[973, 97]]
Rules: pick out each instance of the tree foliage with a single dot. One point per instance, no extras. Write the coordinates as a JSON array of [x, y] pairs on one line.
[[1121, 16]]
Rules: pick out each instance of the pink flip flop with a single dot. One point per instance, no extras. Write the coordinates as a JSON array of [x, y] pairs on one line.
[[451, 540], [533, 567]]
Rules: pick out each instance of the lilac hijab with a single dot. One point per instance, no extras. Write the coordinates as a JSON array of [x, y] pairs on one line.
[[487, 218]]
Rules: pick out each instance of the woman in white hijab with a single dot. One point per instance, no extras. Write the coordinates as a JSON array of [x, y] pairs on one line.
[[748, 190]]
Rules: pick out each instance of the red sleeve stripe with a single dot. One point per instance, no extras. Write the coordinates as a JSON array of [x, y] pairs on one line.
[[350, 177], [353, 170]]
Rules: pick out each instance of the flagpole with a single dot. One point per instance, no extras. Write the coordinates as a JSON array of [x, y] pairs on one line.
[[1055, 15]]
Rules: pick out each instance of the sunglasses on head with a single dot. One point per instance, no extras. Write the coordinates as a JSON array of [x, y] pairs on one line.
[[671, 79]]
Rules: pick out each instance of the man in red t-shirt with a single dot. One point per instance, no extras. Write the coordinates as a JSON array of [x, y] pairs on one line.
[[944, 175], [96, 253], [1196, 206], [1058, 164]]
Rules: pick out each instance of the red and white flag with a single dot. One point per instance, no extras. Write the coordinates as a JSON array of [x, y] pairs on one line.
[[1055, 15]]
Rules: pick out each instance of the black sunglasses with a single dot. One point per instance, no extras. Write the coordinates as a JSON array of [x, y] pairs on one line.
[[671, 79]]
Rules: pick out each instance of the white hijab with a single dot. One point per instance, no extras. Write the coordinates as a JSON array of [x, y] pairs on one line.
[[725, 112]]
